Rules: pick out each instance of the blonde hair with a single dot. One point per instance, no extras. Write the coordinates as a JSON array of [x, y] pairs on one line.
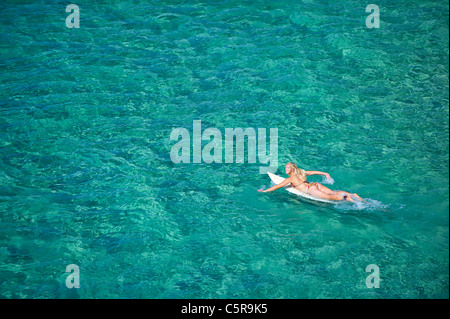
[[300, 172]]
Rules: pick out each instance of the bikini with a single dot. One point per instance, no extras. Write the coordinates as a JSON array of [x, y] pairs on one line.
[[309, 185]]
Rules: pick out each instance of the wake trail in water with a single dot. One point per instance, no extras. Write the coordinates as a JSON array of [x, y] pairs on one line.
[[370, 205]]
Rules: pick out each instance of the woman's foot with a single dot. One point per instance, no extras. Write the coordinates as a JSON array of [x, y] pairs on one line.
[[357, 196]]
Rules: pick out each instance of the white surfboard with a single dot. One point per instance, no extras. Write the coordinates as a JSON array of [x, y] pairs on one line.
[[278, 179]]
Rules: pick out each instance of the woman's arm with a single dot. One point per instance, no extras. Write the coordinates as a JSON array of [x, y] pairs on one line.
[[318, 173], [275, 187]]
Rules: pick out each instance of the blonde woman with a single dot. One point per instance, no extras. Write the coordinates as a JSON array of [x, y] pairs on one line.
[[297, 179]]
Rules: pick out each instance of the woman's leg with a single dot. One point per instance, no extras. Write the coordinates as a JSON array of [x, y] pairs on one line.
[[315, 191], [331, 192]]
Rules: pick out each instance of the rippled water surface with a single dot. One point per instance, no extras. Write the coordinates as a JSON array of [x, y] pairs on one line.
[[86, 176]]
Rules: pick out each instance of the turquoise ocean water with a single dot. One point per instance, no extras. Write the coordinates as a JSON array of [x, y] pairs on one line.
[[86, 176]]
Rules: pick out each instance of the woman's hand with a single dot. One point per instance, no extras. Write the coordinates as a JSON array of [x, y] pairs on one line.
[[327, 176], [261, 190]]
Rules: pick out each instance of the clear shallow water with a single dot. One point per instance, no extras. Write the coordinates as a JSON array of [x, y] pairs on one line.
[[86, 176]]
